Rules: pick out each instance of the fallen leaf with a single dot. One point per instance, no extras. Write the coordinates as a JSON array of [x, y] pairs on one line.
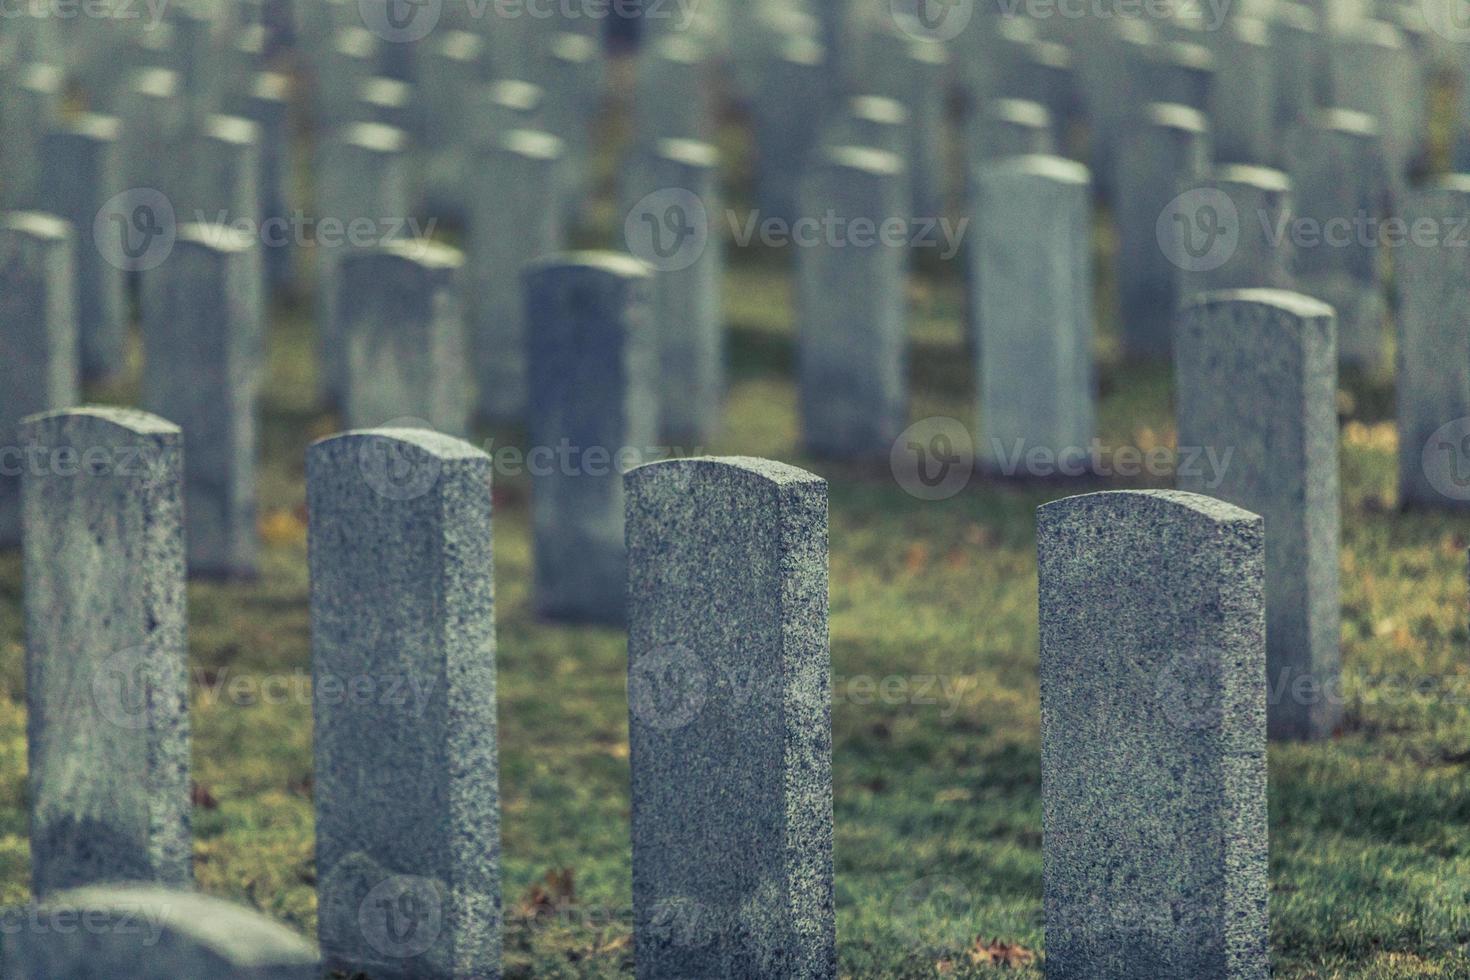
[[201, 797], [282, 527], [553, 894], [1000, 953]]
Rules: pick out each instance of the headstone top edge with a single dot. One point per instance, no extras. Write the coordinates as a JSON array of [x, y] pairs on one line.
[[216, 237], [533, 143], [689, 152], [133, 420], [770, 470], [374, 136], [608, 262], [1253, 175], [1025, 111], [93, 125], [230, 129], [867, 159], [1295, 304], [1045, 165], [1176, 116], [38, 224], [437, 444], [1210, 507]]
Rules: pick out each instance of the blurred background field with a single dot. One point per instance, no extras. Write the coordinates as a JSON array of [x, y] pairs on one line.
[[938, 847]]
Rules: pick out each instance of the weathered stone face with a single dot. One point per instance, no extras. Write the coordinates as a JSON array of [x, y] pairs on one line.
[[403, 680], [1153, 718], [730, 720], [106, 691]]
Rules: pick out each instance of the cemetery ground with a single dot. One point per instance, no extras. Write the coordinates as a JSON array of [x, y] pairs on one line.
[[935, 706]]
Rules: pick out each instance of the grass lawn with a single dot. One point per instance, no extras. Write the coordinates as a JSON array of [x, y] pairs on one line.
[[938, 812]]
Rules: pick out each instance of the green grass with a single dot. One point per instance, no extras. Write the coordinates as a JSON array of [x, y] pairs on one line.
[[1370, 832]]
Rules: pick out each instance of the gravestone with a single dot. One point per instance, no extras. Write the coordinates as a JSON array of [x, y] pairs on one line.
[[671, 97], [872, 121], [851, 303], [450, 67], [1242, 100], [154, 123], [346, 61], [1006, 128], [404, 332], [1299, 65], [788, 111], [107, 698], [1256, 376], [30, 109], [1153, 737], [570, 72], [593, 366], [224, 175], [1165, 149], [1033, 273], [916, 74], [1113, 76], [265, 103], [39, 363], [203, 324], [1375, 72], [515, 217], [363, 194], [1340, 180], [389, 102], [1241, 217], [1179, 73], [136, 932], [79, 181], [730, 724], [673, 208], [1433, 390], [403, 681], [1044, 72]]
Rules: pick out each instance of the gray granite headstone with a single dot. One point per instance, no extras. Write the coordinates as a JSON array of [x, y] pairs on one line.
[[570, 71], [154, 120], [1153, 737], [515, 217], [1034, 278], [79, 178], [1433, 390], [1179, 73], [671, 97], [1256, 377], [31, 107], [730, 725], [138, 932], [342, 64], [1242, 101], [1374, 71], [874, 121], [593, 412], [403, 328], [403, 681], [672, 203], [363, 184], [1299, 62], [788, 111], [1340, 180], [1250, 210], [106, 693], [39, 364], [265, 103], [203, 324], [851, 303], [223, 185], [1165, 149]]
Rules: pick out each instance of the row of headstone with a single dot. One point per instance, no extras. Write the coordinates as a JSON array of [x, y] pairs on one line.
[[109, 745]]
